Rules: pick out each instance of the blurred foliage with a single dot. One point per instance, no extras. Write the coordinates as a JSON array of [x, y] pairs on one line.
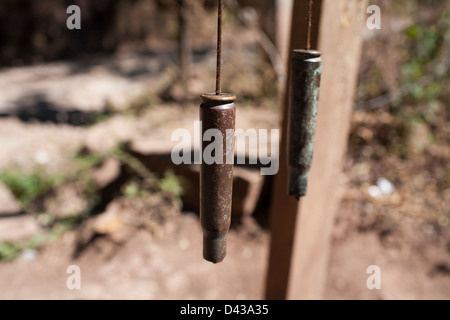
[[27, 187], [169, 185], [56, 227], [8, 251], [414, 46], [85, 160], [425, 47], [406, 67], [172, 184], [37, 184]]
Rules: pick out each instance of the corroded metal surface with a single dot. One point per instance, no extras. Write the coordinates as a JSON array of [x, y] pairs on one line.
[[306, 69], [216, 179]]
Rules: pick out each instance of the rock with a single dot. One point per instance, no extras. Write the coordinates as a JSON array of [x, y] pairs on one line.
[[106, 136], [385, 186], [8, 203], [18, 228], [99, 140], [42, 157], [106, 80], [68, 201], [116, 225], [108, 172], [374, 191], [105, 224], [110, 221], [28, 255]]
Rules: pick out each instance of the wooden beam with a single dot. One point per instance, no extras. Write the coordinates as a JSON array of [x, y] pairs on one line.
[[340, 41], [283, 25], [300, 242], [283, 211]]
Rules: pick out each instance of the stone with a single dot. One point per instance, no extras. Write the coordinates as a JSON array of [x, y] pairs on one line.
[[99, 140], [108, 172], [28, 255], [68, 201], [8, 203], [110, 221], [105, 136], [18, 228]]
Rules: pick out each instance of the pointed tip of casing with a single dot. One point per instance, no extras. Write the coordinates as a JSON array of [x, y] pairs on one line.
[[298, 185], [214, 246]]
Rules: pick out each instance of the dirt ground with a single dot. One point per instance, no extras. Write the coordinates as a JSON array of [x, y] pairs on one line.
[[166, 266], [413, 253]]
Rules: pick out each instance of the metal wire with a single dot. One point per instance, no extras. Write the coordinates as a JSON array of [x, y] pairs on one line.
[[219, 48], [309, 17]]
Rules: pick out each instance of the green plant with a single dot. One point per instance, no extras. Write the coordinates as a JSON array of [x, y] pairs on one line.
[[65, 224], [85, 161], [9, 251], [26, 187], [132, 189], [425, 44], [171, 183]]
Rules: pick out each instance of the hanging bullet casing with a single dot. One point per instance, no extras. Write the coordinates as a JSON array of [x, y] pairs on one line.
[[216, 179], [306, 69]]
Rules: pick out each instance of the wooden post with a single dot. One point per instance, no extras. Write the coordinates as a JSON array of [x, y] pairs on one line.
[[300, 242], [283, 211], [283, 22], [283, 32]]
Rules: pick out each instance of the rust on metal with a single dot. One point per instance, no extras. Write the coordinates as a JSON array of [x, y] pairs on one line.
[[306, 67], [216, 179], [217, 112]]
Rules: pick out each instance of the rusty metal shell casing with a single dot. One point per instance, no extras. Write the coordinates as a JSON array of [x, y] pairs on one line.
[[216, 179], [306, 70]]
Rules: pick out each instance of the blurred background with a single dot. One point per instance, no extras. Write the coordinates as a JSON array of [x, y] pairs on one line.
[[86, 179]]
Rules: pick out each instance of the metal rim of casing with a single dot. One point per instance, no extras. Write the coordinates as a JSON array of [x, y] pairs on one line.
[[221, 98], [306, 54]]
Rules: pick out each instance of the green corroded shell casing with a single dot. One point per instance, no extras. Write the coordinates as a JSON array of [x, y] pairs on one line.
[[216, 179], [306, 70]]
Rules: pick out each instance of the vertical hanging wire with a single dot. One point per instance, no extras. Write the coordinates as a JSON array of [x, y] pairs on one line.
[[309, 18], [219, 48]]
